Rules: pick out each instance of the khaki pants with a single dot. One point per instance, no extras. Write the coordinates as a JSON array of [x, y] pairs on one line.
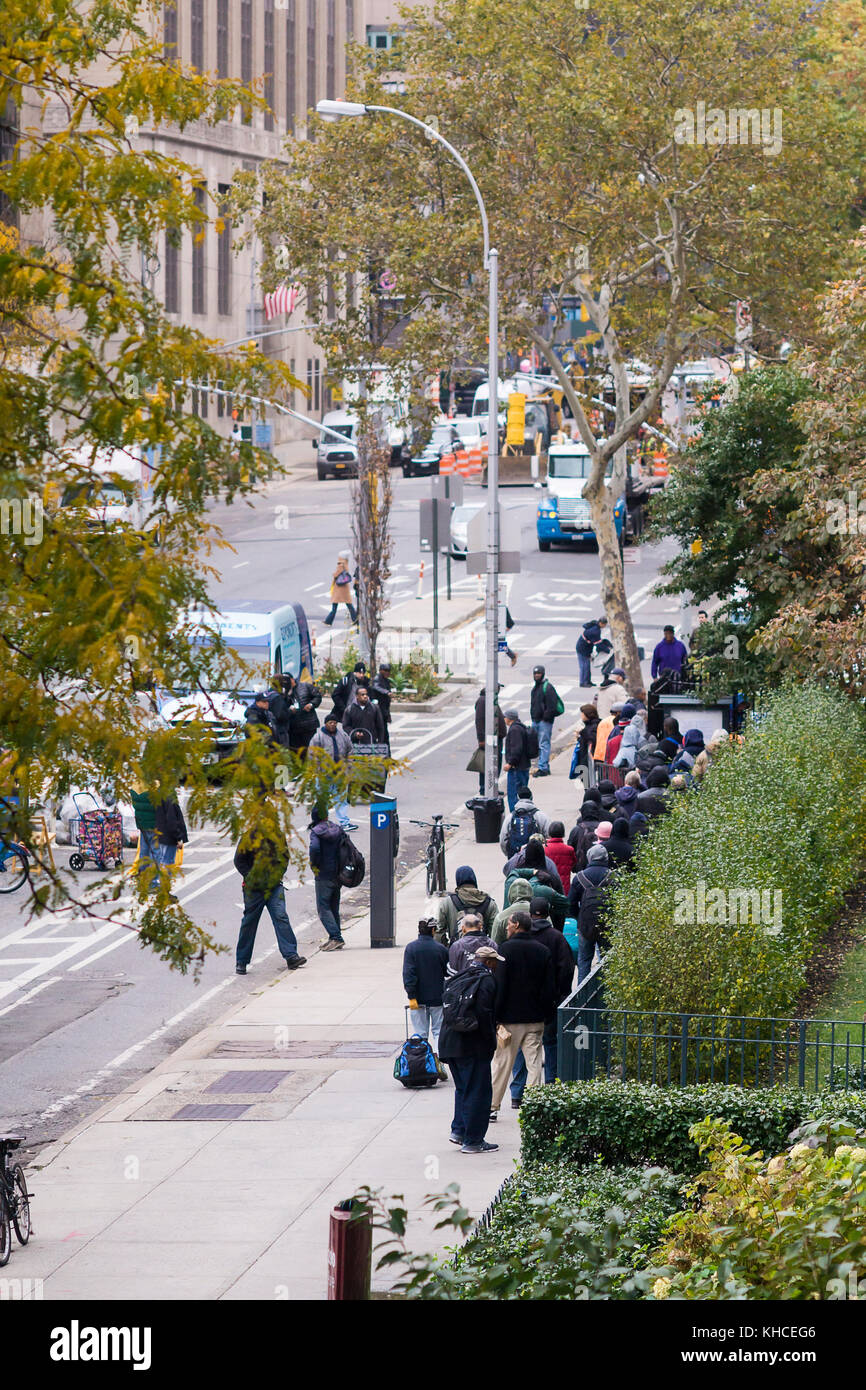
[[528, 1037]]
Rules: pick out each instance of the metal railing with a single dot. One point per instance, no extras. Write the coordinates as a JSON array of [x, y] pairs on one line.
[[673, 1049]]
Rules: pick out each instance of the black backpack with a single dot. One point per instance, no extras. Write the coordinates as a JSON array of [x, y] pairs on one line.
[[460, 905], [523, 826], [351, 865], [590, 913], [530, 741], [458, 1000]]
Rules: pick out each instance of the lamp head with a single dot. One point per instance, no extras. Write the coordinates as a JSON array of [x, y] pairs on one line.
[[333, 110]]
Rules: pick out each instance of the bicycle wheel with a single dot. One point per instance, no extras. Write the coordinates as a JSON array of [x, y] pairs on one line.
[[21, 1209], [439, 851], [5, 1230], [14, 869]]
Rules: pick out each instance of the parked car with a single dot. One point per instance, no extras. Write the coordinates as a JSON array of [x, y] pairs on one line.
[[460, 519], [333, 459], [445, 439]]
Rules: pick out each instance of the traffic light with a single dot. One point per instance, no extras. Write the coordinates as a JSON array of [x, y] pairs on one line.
[[516, 424]]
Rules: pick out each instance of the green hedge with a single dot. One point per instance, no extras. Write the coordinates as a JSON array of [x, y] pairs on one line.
[[781, 813], [629, 1122]]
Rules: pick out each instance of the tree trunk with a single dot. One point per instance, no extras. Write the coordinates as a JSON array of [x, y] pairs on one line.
[[371, 521], [613, 594]]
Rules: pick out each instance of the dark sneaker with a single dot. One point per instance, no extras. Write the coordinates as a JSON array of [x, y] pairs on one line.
[[543, 772], [494, 1116], [482, 1148], [240, 970], [353, 825], [333, 945], [456, 1138], [515, 1103], [296, 962]]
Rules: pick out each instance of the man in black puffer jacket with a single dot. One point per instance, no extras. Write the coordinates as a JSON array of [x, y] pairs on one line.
[[262, 856], [304, 721]]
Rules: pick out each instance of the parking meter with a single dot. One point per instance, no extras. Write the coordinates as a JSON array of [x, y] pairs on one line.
[[384, 842]]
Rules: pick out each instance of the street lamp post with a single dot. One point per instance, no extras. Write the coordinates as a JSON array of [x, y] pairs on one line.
[[333, 110]]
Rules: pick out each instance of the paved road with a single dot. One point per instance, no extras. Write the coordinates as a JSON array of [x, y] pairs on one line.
[[83, 1010]]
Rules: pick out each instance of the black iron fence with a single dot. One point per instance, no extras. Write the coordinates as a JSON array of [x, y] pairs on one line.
[[672, 1049]]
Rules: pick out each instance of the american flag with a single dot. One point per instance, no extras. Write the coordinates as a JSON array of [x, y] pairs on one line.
[[282, 300]]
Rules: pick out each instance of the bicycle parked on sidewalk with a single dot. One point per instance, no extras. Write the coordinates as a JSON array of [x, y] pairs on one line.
[[434, 854], [14, 866], [14, 1198]]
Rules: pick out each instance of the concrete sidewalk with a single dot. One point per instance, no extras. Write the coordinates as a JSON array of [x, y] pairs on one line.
[[146, 1199]]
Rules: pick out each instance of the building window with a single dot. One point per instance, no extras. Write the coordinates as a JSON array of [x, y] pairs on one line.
[[172, 285], [350, 290], [379, 38], [294, 389], [270, 62], [198, 249], [224, 254], [203, 395], [196, 34], [331, 52], [169, 31], [317, 382], [311, 53], [309, 383], [8, 142], [247, 54], [291, 56], [350, 21], [222, 37], [220, 402]]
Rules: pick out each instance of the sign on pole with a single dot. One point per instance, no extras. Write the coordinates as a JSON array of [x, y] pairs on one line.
[[509, 542], [441, 524]]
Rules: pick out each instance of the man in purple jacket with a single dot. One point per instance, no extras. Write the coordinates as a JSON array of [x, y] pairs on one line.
[[669, 654]]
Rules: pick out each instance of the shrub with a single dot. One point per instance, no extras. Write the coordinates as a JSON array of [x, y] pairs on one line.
[[539, 1192], [779, 813], [629, 1122], [791, 1227], [416, 678]]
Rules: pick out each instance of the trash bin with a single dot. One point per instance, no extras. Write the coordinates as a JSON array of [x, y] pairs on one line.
[[488, 812]]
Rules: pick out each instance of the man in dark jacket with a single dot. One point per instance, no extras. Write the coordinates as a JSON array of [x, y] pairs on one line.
[[170, 828], [652, 802], [620, 850], [363, 718], [259, 719], [525, 999], [347, 687], [472, 935], [304, 721], [543, 930], [425, 965], [281, 701], [543, 709], [468, 1054], [480, 724], [263, 858], [584, 833], [517, 759], [325, 838], [587, 905], [590, 638], [380, 691]]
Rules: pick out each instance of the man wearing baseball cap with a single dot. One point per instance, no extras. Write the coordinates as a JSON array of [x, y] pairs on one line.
[[544, 706], [612, 693], [469, 1051]]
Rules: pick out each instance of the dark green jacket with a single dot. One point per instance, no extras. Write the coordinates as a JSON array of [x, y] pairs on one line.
[[145, 811], [558, 904]]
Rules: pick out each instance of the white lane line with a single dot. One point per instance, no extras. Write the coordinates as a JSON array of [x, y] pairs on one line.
[[112, 946], [25, 998], [548, 643], [52, 962], [638, 593], [243, 564], [22, 960], [633, 607]]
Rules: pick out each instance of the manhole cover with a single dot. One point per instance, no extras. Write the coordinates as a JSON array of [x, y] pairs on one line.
[[210, 1112], [246, 1082]]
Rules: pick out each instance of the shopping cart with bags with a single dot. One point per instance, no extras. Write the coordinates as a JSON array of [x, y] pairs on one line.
[[98, 834], [360, 758]]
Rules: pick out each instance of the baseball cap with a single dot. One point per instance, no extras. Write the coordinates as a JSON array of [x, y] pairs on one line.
[[488, 953], [618, 671]]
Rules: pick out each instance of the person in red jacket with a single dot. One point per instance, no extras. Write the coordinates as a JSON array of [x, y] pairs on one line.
[[561, 853]]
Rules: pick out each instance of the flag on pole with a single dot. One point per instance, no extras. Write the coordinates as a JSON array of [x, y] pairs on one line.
[[282, 300]]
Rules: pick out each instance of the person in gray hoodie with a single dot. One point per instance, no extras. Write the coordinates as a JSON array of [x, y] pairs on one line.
[[472, 936], [632, 741], [524, 806]]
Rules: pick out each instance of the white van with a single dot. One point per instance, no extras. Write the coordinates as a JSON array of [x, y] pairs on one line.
[[114, 485], [333, 458]]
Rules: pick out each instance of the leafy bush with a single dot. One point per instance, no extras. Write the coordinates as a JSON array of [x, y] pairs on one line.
[[414, 679], [778, 813], [629, 1122], [516, 1232], [791, 1227]]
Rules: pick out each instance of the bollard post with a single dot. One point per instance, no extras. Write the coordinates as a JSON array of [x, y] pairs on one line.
[[350, 1253]]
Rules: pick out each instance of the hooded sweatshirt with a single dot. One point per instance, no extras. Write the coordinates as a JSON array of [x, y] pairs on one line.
[[471, 899], [638, 825], [519, 895], [526, 806], [620, 850], [607, 792], [633, 739], [557, 902], [583, 835], [325, 838], [544, 931], [518, 861], [626, 800]]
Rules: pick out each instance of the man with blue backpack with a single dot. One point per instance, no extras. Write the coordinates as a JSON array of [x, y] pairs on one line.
[[523, 821]]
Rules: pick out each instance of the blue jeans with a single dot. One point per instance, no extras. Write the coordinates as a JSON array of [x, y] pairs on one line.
[[583, 663], [585, 957], [516, 778], [152, 851], [544, 729], [341, 810], [255, 902], [427, 1018], [328, 906], [473, 1094], [519, 1072]]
